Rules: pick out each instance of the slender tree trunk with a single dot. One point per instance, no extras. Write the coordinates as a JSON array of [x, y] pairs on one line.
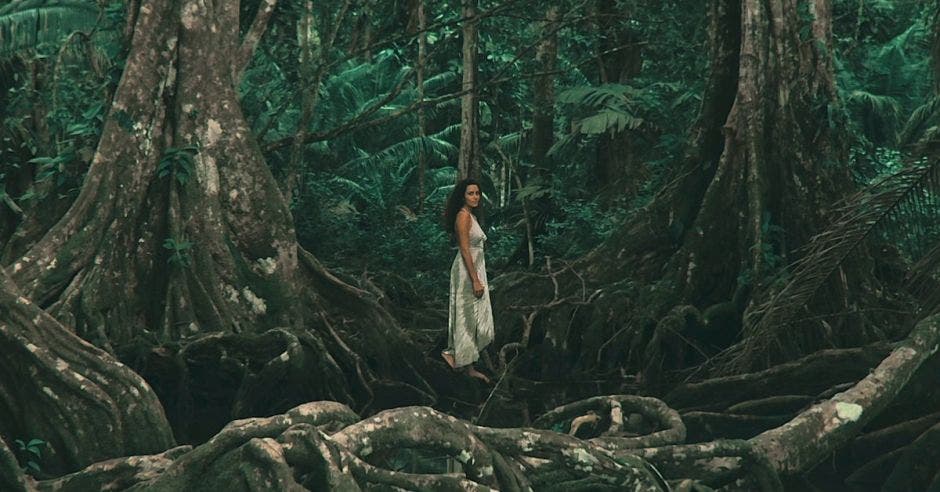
[[469, 161], [422, 23], [361, 37], [314, 60], [619, 60], [537, 212], [253, 37], [543, 117]]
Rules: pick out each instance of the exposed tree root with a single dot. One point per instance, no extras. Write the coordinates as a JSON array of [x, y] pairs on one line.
[[55, 386], [630, 442]]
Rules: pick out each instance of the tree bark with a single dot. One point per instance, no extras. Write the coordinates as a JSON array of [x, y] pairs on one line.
[[816, 433], [325, 446], [543, 91], [619, 59], [58, 388], [422, 23], [776, 132], [103, 268], [468, 164], [180, 235]]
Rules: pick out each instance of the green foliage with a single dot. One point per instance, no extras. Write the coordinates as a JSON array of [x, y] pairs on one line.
[[77, 135], [882, 70], [29, 454], [179, 252], [27, 23], [580, 226], [178, 162], [610, 108]]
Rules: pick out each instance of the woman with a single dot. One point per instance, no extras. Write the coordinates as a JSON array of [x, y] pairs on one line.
[[470, 322]]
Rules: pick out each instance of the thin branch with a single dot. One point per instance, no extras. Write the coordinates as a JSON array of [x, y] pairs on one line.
[[247, 49]]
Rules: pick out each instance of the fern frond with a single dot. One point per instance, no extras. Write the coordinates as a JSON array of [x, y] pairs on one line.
[[364, 193], [508, 141], [882, 106], [920, 119], [443, 80], [449, 131], [28, 23], [894, 200], [608, 120], [406, 151], [564, 145], [606, 95]]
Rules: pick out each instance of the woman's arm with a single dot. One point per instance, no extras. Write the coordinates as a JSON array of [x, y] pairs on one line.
[[463, 242]]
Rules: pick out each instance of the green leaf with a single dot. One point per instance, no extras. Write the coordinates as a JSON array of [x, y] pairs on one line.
[[27, 24], [598, 97], [608, 120]]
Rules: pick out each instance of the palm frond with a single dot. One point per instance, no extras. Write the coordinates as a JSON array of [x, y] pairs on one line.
[[882, 106], [28, 23], [406, 151], [920, 119], [606, 95], [608, 120], [894, 202], [508, 141], [364, 193], [441, 182], [443, 80], [564, 145], [450, 131]]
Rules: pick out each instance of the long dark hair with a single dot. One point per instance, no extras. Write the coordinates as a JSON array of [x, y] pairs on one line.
[[456, 201]]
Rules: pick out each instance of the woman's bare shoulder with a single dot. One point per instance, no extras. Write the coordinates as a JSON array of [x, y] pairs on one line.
[[463, 219]]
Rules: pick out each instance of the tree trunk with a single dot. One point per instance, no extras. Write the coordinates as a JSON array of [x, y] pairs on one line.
[[771, 174], [422, 23], [713, 234], [180, 233], [619, 59], [107, 267], [58, 388], [543, 91], [469, 162]]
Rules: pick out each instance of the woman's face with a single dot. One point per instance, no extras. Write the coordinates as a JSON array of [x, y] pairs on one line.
[[471, 197]]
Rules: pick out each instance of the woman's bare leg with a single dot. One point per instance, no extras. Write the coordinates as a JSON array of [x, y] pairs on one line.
[[472, 372], [449, 359]]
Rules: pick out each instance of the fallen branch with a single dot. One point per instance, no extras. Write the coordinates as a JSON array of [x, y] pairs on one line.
[[799, 445]]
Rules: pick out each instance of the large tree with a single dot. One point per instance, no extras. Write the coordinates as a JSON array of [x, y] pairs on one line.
[[180, 233], [762, 165], [169, 231]]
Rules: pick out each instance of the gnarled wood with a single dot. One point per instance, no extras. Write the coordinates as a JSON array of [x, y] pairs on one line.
[[56, 387]]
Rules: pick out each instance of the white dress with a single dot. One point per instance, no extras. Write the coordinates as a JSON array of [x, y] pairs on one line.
[[470, 321]]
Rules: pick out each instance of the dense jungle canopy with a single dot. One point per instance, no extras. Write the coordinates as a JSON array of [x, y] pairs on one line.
[[713, 246]]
